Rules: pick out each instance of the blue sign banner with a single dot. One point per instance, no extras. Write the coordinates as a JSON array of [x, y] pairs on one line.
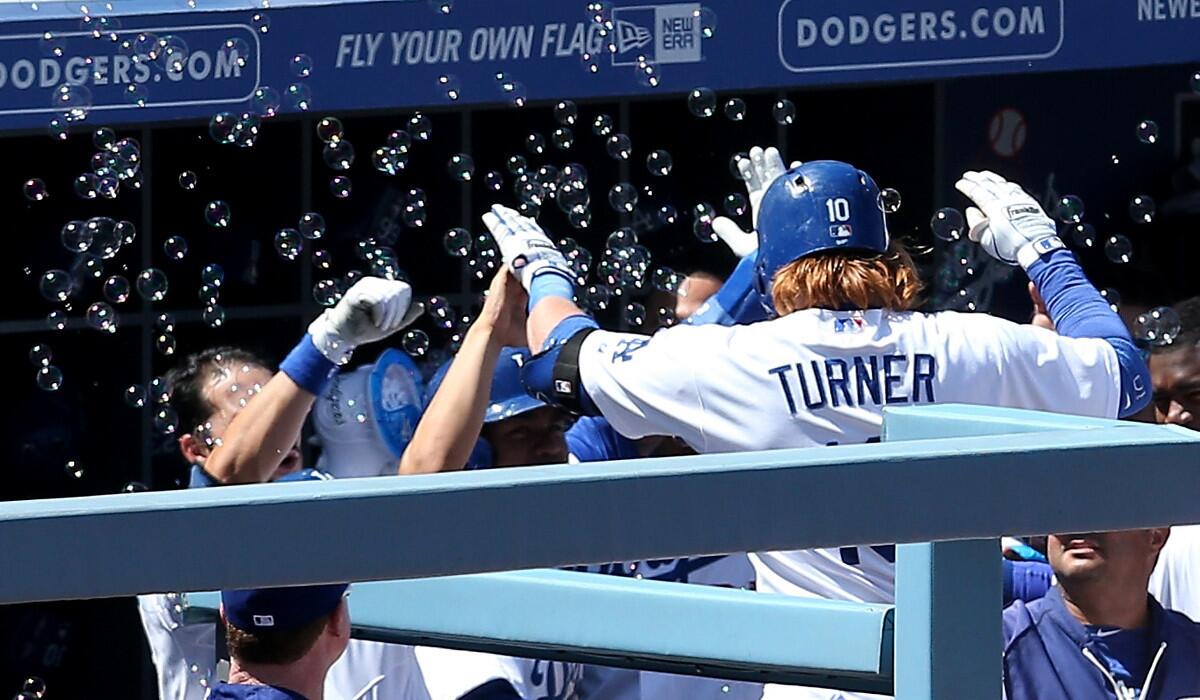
[[163, 60]]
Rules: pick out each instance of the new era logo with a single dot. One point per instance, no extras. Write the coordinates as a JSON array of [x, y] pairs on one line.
[[658, 33]]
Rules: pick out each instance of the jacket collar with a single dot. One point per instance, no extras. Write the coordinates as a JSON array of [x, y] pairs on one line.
[[1057, 611]]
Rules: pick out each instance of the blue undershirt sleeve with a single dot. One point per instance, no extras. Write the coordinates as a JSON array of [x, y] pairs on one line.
[[1078, 311]]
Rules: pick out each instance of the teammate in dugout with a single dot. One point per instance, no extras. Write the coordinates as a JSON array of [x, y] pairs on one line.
[[479, 416], [842, 343], [247, 430]]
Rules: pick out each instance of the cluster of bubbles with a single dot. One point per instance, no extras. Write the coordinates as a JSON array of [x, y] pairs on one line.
[[33, 688], [115, 163]]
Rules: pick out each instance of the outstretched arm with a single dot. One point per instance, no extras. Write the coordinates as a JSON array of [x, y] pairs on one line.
[[262, 433], [451, 423], [1011, 227]]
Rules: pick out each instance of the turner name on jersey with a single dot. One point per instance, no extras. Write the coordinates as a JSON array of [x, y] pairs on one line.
[[857, 381]]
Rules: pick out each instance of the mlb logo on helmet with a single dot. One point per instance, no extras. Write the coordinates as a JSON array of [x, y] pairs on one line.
[[841, 231], [658, 33], [264, 620]]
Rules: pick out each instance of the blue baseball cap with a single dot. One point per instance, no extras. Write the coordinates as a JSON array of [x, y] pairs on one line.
[[507, 397], [280, 609]]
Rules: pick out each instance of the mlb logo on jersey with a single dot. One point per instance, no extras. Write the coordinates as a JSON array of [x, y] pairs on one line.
[[660, 33], [841, 231], [847, 325]]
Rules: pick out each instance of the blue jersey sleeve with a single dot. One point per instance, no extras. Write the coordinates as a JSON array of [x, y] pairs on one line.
[[198, 478], [735, 302], [592, 439], [1026, 580], [1078, 311]]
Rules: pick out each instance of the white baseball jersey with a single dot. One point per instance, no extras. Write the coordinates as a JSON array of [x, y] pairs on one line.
[[819, 377], [451, 673], [1176, 579]]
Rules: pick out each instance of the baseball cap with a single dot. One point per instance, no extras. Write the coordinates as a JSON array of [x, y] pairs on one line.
[[367, 417], [280, 609], [507, 397]]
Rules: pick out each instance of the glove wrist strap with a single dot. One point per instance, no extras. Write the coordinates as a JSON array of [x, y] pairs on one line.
[[1030, 252], [308, 367], [329, 342]]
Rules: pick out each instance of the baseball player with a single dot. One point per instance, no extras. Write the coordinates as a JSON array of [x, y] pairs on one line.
[[479, 416], [843, 342], [244, 426]]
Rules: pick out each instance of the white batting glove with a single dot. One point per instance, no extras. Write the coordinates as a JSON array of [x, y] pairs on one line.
[[759, 171], [371, 310], [1012, 227], [525, 247]]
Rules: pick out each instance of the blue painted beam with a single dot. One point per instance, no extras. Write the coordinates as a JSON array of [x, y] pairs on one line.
[[388, 528], [593, 618]]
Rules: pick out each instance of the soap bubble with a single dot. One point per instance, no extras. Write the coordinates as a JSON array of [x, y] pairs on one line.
[[175, 247], [188, 180], [1142, 209], [56, 285], [103, 233], [1158, 327], [702, 102], [514, 91], [87, 186], [1069, 209], [217, 213], [735, 204], [35, 190], [261, 22], [461, 167], [889, 200], [634, 314], [415, 342], [1194, 81], [457, 242], [76, 236], [56, 320], [623, 197], [224, 127], [213, 315], [517, 165], [566, 112], [442, 7], [301, 65], [708, 24], [494, 180], [602, 125], [389, 161], [1147, 132], [135, 396], [288, 243], [213, 274], [563, 138], [116, 289], [784, 112], [338, 154], [340, 186], [329, 129], [449, 86], [299, 96], [535, 144], [152, 284], [735, 109], [49, 378], [108, 187], [312, 226], [659, 163], [172, 54], [420, 127], [948, 224], [101, 317], [1118, 249], [40, 355], [265, 101], [703, 215], [166, 420], [1083, 234], [619, 146]]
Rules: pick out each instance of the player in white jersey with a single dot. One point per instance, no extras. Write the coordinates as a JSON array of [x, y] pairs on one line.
[[843, 344]]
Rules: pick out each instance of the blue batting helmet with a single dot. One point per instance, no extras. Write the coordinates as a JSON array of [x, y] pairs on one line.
[[507, 397], [821, 205]]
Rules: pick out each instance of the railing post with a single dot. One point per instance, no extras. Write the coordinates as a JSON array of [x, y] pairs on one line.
[[948, 638]]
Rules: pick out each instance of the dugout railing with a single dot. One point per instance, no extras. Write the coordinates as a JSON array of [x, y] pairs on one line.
[[945, 483]]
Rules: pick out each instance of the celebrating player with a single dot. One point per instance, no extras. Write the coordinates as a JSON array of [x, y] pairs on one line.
[[243, 425], [844, 342]]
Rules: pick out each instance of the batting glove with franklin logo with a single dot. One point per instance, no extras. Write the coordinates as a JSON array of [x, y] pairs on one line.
[[526, 248], [1009, 224]]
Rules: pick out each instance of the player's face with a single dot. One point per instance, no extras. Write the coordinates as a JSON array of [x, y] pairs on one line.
[[1176, 378], [1128, 555], [232, 392], [531, 438]]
